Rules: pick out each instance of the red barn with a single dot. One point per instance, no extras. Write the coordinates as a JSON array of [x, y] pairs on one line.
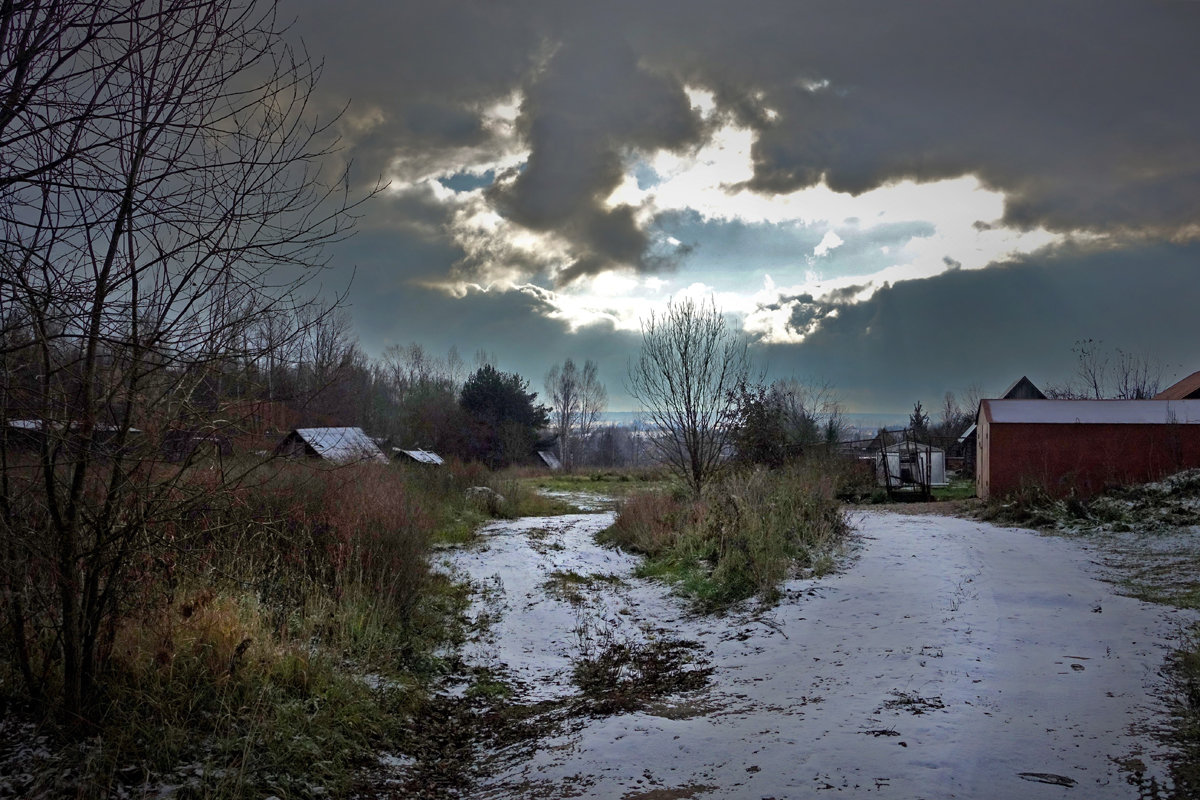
[[1082, 446]]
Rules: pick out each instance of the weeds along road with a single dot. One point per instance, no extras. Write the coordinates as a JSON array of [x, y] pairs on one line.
[[949, 658]]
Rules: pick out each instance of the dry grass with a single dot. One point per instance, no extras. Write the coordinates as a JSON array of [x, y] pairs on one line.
[[234, 662]]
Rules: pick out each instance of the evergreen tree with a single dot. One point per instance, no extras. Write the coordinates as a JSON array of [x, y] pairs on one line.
[[505, 414]]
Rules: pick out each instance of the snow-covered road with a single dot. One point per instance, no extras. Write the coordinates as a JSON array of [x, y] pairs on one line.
[[950, 659]]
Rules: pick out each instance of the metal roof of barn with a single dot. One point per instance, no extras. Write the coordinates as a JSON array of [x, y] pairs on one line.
[[341, 444], [1093, 412], [421, 456], [1187, 388]]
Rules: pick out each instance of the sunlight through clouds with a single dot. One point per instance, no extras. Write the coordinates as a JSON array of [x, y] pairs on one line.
[[957, 228]]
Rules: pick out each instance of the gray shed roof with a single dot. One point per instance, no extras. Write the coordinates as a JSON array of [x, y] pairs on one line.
[[340, 444], [421, 456], [911, 447]]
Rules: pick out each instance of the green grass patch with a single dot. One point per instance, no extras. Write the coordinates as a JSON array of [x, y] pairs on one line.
[[1181, 595], [612, 483], [748, 533], [959, 489]]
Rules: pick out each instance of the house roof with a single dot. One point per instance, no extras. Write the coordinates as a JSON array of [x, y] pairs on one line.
[[1188, 388], [1095, 412], [340, 444], [40, 425], [1024, 389], [549, 459], [421, 456]]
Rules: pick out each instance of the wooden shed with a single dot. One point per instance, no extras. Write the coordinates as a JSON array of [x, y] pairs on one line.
[[1082, 446], [418, 456], [339, 445]]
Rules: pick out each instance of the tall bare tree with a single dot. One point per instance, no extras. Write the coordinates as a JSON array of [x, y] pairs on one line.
[[162, 192], [690, 363], [577, 399]]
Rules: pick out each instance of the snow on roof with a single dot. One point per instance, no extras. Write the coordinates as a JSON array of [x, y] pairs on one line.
[[341, 444], [421, 456], [38, 425], [1095, 412]]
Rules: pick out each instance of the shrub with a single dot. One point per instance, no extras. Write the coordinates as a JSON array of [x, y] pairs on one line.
[[748, 532]]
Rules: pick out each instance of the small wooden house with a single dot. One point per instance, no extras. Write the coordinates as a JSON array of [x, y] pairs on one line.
[[339, 445], [417, 456]]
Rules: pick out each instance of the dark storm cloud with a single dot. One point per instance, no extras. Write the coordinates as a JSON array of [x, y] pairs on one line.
[[582, 111], [1077, 114], [918, 339], [913, 340], [1081, 115]]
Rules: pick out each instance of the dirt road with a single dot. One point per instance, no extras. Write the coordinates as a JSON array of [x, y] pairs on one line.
[[950, 659]]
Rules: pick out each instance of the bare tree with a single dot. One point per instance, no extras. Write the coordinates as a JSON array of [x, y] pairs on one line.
[[577, 399], [1104, 374], [691, 361], [1136, 377], [162, 195]]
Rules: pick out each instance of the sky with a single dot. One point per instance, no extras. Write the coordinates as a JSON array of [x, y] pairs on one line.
[[893, 199]]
